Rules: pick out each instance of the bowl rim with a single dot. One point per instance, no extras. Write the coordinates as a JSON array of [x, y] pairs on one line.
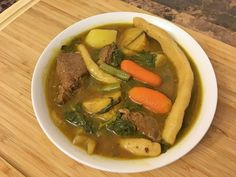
[[210, 91]]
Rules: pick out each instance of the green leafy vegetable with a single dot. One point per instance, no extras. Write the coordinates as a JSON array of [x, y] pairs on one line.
[[146, 59], [121, 127], [117, 57], [114, 71], [132, 106], [164, 146], [77, 118], [108, 107], [71, 47]]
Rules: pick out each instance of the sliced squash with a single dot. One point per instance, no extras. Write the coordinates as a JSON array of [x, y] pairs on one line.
[[102, 104], [96, 104], [108, 115]]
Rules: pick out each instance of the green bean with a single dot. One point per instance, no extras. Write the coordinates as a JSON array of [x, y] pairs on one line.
[[114, 71]]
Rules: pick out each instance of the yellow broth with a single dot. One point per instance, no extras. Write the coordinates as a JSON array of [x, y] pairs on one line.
[[108, 143]]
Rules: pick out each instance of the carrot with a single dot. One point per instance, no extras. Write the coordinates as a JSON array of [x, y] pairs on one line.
[[140, 73], [151, 99]]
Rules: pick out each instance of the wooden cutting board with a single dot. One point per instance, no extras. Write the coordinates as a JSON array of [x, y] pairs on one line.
[[28, 152]]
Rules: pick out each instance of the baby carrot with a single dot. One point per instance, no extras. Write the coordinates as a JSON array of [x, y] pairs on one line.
[[151, 99], [140, 73]]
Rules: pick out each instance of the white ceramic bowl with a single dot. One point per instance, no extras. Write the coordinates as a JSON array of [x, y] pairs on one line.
[[197, 132]]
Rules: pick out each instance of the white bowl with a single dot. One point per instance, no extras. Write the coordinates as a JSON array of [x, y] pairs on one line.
[[206, 114]]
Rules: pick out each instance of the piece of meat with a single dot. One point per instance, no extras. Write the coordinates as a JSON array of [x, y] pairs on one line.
[[145, 124], [106, 53], [70, 67]]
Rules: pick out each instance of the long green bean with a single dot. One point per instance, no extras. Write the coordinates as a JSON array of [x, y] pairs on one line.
[[114, 71]]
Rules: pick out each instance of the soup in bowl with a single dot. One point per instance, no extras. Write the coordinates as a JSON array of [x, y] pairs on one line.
[[124, 94]]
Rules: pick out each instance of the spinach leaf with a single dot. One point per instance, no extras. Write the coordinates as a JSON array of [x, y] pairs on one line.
[[164, 146], [71, 47], [132, 106], [121, 127], [117, 57], [146, 59], [78, 119]]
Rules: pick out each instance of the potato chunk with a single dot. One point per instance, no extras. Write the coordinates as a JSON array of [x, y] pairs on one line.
[[87, 141], [141, 146], [98, 38], [132, 40]]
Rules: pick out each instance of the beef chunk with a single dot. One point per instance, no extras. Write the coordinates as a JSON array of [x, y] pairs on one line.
[[106, 53], [70, 67], [145, 124]]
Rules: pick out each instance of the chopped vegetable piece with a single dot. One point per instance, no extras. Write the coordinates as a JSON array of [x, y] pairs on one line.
[[137, 45], [129, 35], [133, 40], [95, 105], [78, 119], [111, 87], [102, 105], [122, 127], [160, 60], [71, 47], [115, 72], [143, 58], [91, 143], [79, 139], [141, 146], [140, 73], [130, 105], [151, 99], [108, 115], [113, 103], [98, 38], [93, 68], [117, 57]]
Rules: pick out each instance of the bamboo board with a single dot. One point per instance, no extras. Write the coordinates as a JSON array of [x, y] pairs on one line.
[[26, 148], [11, 13]]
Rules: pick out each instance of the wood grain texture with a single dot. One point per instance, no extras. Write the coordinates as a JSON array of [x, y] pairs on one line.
[[7, 170], [24, 145], [11, 13]]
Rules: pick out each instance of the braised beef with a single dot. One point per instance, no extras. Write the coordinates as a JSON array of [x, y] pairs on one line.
[[106, 53], [145, 124], [70, 67]]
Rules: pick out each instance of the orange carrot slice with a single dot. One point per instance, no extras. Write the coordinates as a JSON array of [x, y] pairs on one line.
[[153, 100], [140, 73]]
